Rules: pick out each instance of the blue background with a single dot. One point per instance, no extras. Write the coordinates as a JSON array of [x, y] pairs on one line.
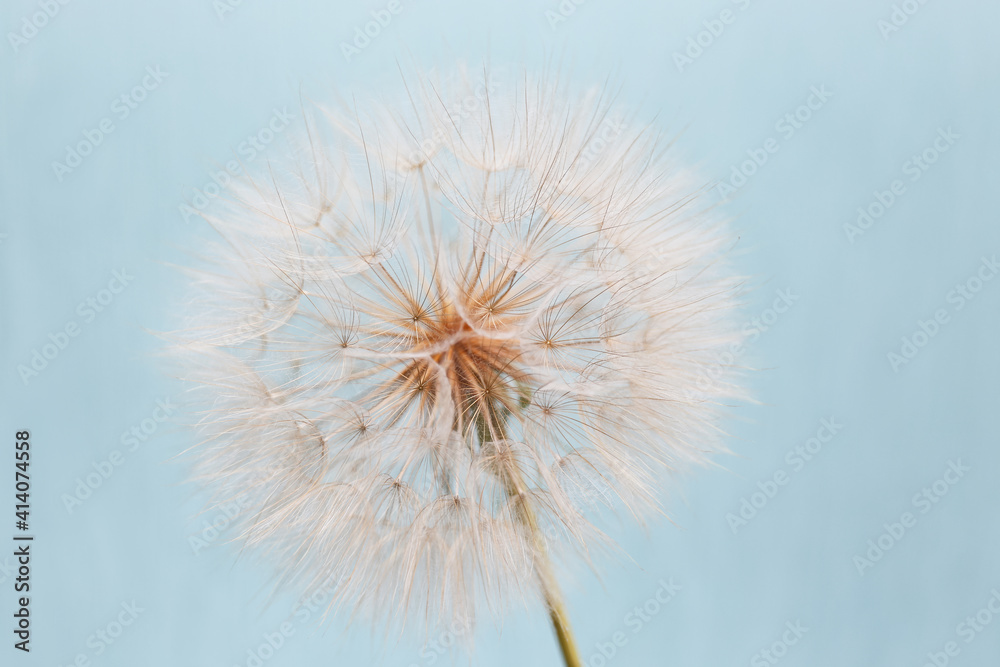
[[825, 357]]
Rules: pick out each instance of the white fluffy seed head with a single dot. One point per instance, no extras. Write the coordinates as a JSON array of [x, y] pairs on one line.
[[485, 296]]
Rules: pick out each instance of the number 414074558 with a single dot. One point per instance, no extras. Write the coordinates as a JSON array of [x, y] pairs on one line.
[[22, 483]]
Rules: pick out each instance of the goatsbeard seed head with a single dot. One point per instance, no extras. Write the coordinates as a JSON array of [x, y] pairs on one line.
[[492, 295]]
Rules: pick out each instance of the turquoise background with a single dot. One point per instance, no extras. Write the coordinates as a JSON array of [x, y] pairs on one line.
[[825, 357]]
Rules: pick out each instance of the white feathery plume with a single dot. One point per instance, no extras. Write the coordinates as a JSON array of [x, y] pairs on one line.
[[441, 331]]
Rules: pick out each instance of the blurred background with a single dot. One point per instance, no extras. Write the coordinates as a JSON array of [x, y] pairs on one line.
[[855, 145]]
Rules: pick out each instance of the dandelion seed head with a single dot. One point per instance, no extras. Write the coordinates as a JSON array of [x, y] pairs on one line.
[[443, 311]]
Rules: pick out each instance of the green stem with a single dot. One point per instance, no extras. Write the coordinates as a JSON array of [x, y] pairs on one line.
[[560, 621], [491, 426], [546, 577]]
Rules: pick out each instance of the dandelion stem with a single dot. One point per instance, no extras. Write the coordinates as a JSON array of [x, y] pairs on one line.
[[543, 565], [549, 584], [560, 621]]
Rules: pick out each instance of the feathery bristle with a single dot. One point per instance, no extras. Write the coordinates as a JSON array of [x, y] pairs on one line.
[[448, 319]]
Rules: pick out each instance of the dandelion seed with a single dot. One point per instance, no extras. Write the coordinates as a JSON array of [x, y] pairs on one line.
[[435, 344]]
